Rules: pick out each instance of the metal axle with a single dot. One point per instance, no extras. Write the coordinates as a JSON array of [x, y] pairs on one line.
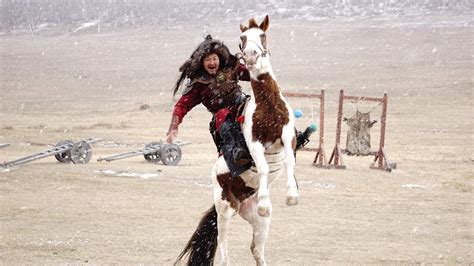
[[169, 154], [64, 151]]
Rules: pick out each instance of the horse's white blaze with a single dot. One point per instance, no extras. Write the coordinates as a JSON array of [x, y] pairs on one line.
[[257, 63]]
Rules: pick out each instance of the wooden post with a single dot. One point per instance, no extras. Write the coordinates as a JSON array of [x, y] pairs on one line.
[[380, 161], [337, 153], [320, 153], [320, 158]]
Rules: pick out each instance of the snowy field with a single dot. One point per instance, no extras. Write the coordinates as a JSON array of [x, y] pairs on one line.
[[78, 84]]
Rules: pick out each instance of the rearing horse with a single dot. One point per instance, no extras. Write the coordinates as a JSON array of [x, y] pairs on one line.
[[269, 133]]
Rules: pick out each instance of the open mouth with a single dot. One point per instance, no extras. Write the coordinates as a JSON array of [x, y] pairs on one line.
[[250, 62], [250, 66], [212, 69]]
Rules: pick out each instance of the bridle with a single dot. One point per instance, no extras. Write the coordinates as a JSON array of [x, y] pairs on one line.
[[263, 49]]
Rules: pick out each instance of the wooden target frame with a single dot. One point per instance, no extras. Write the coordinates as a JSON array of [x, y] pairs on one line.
[[320, 157], [380, 161]]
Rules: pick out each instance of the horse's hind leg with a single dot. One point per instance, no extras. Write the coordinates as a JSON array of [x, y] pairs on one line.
[[260, 225], [224, 214], [292, 186]]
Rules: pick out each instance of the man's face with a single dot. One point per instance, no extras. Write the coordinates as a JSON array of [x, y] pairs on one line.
[[211, 63]]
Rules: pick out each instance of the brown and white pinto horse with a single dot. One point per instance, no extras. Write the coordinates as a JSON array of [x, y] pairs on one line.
[[269, 132]]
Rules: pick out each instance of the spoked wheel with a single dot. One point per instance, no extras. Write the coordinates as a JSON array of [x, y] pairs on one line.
[[63, 157], [152, 157], [81, 152], [155, 156], [171, 154]]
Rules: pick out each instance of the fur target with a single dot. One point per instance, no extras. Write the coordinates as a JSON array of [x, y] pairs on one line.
[[358, 135]]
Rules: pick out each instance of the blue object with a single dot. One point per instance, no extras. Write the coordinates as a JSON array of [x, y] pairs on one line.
[[298, 113], [313, 127]]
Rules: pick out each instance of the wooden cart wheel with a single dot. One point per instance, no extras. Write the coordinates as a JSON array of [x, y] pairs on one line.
[[171, 154], [63, 157], [80, 152], [155, 156]]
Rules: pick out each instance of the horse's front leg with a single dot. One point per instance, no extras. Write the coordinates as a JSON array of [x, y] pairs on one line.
[[291, 184], [264, 204]]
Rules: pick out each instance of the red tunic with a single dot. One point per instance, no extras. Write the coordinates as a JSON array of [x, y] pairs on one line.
[[216, 95]]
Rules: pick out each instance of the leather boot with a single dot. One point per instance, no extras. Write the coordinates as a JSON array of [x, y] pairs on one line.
[[235, 143]]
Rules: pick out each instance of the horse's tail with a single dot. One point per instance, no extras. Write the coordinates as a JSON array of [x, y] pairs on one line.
[[202, 246]]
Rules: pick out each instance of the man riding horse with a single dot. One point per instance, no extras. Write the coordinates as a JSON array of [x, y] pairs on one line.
[[213, 74], [270, 136]]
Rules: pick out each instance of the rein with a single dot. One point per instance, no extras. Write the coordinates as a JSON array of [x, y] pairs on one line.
[[263, 50]]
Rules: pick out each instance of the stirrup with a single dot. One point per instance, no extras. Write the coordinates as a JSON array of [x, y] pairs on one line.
[[241, 157]]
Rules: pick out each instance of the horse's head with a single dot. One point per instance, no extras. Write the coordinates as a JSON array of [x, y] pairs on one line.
[[253, 43]]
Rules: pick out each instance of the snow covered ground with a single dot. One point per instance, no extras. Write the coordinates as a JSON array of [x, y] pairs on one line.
[[78, 85]]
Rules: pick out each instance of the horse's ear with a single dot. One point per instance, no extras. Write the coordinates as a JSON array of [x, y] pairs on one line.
[[265, 23], [243, 28], [253, 23]]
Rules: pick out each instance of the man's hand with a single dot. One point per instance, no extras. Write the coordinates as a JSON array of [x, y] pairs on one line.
[[172, 135]]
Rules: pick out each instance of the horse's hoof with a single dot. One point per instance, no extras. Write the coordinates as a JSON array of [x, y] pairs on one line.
[[264, 211], [291, 200]]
